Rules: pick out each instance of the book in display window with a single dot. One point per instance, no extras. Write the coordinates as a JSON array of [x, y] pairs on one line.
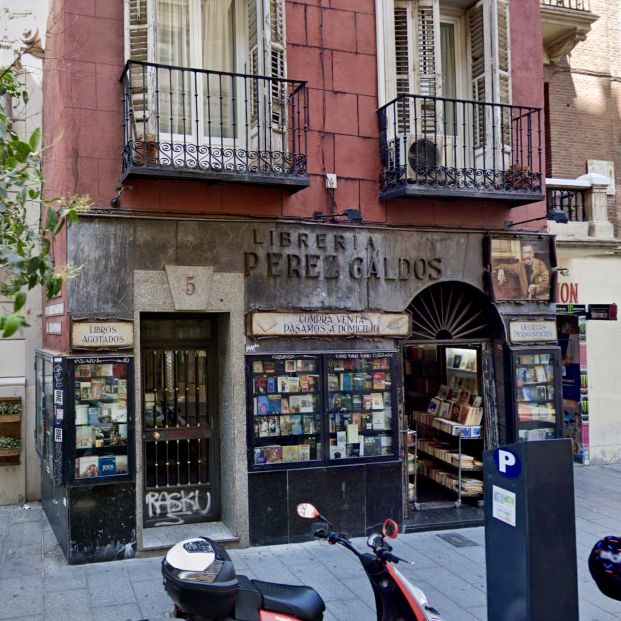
[[299, 404], [101, 419], [536, 398], [286, 409]]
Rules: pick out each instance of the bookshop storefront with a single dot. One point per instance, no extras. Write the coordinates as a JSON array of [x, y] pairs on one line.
[[222, 383]]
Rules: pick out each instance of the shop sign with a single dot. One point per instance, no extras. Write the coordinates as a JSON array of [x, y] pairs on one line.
[[602, 311], [330, 324], [55, 309], [572, 309], [102, 334], [528, 331]]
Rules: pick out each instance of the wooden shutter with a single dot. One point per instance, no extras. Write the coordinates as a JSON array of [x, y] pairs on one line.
[[404, 69], [253, 55], [503, 51], [139, 45], [275, 47]]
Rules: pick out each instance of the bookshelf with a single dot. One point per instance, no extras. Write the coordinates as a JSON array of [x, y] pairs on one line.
[[536, 396]]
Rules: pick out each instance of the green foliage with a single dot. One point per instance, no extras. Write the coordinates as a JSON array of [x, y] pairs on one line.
[[9, 409], [25, 249], [10, 443]]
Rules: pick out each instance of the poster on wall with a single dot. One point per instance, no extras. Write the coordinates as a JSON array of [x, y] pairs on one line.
[[521, 268]]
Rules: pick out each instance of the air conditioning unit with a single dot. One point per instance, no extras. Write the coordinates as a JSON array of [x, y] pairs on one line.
[[422, 154]]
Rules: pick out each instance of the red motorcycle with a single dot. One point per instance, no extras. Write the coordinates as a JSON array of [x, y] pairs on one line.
[[200, 578]]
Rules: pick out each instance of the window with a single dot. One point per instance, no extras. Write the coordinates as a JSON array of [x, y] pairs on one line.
[[206, 46], [310, 409]]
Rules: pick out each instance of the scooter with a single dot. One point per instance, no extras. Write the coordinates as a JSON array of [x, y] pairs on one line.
[[200, 578]]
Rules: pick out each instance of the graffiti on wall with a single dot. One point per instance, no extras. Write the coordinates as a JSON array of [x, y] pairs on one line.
[[167, 508]]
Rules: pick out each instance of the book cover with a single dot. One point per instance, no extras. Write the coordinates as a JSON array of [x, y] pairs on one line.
[[305, 365], [285, 425], [333, 382], [271, 385], [379, 380], [290, 366], [81, 414], [264, 427], [371, 446], [366, 422], [352, 449], [85, 391], [477, 401], [341, 438], [346, 381], [273, 454], [118, 412], [103, 434], [434, 406], [455, 410], [273, 404], [282, 382], [352, 433], [306, 404], [257, 366], [337, 452], [443, 391], [309, 425], [260, 385], [84, 437], [359, 381], [347, 402], [98, 389], [296, 424], [93, 414], [120, 435], [356, 419], [380, 422], [290, 453], [356, 402], [273, 425], [87, 467], [107, 466], [293, 384], [377, 401], [284, 406], [529, 375], [540, 373], [259, 456], [456, 363], [464, 396], [367, 403], [305, 452], [269, 366], [263, 405], [121, 464]]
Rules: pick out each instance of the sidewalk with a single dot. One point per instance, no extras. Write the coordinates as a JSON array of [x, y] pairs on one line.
[[36, 584]]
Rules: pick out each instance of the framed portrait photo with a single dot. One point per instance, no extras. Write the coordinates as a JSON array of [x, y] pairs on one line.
[[521, 268]]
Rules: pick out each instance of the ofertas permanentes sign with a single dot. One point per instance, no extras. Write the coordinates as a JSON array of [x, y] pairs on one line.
[[526, 331], [102, 334], [329, 324]]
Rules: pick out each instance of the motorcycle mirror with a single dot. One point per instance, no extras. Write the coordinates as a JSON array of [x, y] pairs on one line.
[[390, 529], [308, 511]]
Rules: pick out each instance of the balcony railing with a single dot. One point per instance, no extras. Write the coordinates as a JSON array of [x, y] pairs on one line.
[[182, 122], [576, 5], [453, 147], [569, 200]]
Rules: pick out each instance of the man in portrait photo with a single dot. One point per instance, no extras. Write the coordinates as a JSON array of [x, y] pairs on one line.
[[532, 273]]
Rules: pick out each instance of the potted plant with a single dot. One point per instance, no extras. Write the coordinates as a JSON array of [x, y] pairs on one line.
[[10, 410], [10, 447]]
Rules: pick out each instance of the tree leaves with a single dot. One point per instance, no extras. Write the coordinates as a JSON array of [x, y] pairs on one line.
[[25, 249]]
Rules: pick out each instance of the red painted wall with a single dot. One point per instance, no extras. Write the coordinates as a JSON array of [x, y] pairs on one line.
[[333, 48]]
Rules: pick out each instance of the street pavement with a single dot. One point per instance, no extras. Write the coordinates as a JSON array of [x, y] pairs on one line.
[[36, 584]]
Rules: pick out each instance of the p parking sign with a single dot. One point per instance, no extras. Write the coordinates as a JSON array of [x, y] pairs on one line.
[[507, 463]]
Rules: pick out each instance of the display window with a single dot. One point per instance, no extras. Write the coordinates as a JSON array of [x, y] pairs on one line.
[[299, 404], [100, 399]]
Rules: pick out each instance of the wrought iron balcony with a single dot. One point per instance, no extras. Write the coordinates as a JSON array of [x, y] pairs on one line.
[[194, 123], [571, 201], [432, 146], [576, 5]]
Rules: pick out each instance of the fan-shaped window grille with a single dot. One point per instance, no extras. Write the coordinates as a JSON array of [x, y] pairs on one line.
[[450, 311]]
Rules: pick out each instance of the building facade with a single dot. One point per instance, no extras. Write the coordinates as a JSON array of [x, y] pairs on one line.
[[298, 251], [581, 55]]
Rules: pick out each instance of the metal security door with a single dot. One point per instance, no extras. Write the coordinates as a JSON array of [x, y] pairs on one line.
[[179, 436]]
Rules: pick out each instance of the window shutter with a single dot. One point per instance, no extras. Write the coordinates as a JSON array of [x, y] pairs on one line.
[[253, 55], [427, 29], [404, 71], [139, 45], [503, 53], [275, 48]]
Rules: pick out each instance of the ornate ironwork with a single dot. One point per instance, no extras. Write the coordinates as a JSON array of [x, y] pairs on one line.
[[454, 144], [576, 5], [569, 200], [197, 121]]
